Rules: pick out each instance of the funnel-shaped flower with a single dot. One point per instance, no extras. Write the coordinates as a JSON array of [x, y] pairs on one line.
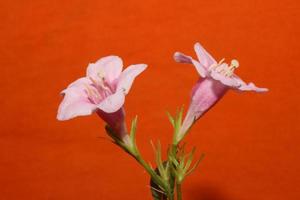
[[102, 91], [217, 78]]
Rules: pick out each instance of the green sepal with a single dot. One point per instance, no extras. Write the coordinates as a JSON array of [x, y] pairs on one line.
[[116, 140], [133, 133], [176, 122], [182, 162], [171, 119], [162, 167]]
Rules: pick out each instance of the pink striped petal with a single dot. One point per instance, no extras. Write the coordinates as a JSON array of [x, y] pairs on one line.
[[110, 67], [75, 103], [182, 58], [206, 93], [81, 82], [200, 68], [113, 102], [252, 87], [248, 87], [128, 75], [226, 80], [203, 56]]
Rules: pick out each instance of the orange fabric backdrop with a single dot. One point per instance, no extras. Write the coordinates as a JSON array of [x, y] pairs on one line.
[[251, 141]]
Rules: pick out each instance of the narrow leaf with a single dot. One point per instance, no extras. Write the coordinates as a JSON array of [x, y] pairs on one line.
[[190, 159], [195, 165]]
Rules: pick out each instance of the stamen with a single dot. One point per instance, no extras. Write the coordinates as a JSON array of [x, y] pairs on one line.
[[98, 90], [101, 75], [234, 63], [92, 93], [88, 89], [223, 68], [99, 82], [221, 61], [95, 82], [216, 65]]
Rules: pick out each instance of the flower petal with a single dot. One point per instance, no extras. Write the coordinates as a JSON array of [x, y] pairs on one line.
[[205, 94], [75, 103], [203, 56], [248, 87], [110, 67], [182, 58], [128, 75], [113, 102], [81, 82], [200, 68], [226, 80], [236, 82], [252, 87]]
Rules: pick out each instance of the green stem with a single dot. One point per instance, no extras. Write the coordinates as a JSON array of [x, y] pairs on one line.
[[134, 152], [171, 196], [179, 193], [131, 149], [150, 171]]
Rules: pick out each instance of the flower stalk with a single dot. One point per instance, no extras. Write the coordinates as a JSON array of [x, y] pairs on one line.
[[132, 149], [178, 191]]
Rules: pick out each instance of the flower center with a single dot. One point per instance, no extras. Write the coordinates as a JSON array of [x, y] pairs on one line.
[[99, 89], [223, 68]]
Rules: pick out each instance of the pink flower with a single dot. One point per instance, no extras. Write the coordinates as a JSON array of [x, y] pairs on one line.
[[102, 91], [217, 78]]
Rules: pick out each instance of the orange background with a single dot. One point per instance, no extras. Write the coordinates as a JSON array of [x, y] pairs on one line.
[[251, 141]]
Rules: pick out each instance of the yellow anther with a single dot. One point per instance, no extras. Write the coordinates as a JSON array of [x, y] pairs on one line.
[[223, 68], [234, 63], [88, 89], [91, 91]]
